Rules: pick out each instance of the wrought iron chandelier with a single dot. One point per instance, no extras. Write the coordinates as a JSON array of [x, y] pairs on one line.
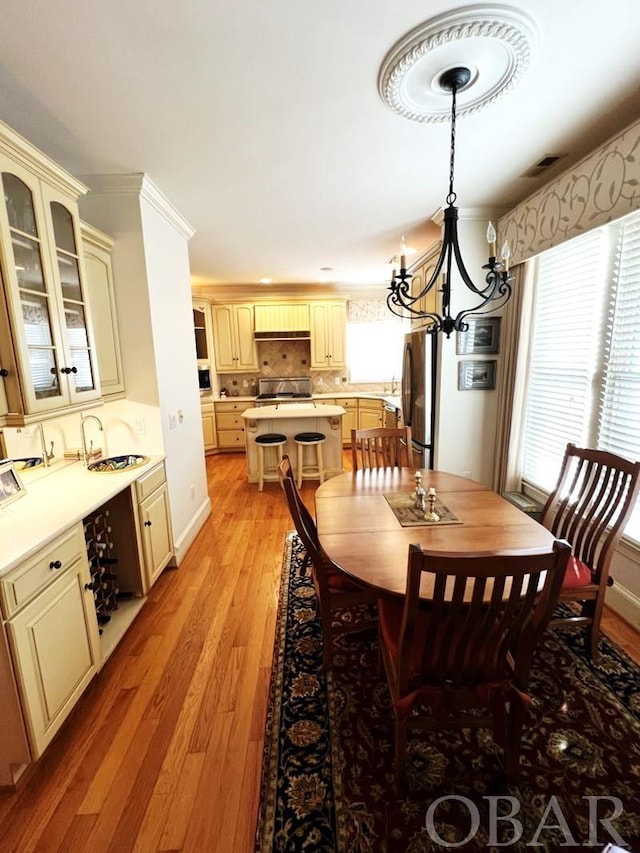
[[497, 289]]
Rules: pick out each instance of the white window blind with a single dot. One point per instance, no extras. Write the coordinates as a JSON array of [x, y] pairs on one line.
[[619, 410], [564, 354], [584, 372]]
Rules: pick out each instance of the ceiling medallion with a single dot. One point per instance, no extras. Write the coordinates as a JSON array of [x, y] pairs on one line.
[[496, 43]]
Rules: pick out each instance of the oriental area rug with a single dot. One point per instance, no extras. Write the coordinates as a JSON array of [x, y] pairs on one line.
[[328, 768]]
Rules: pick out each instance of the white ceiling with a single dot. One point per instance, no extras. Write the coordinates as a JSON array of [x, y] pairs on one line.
[[262, 124]]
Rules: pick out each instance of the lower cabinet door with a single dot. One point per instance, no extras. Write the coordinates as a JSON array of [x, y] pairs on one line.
[[208, 431], [54, 643], [156, 533]]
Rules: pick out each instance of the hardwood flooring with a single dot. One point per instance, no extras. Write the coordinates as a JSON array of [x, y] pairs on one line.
[[163, 752]]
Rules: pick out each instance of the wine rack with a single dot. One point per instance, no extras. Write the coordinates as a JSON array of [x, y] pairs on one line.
[[103, 566]]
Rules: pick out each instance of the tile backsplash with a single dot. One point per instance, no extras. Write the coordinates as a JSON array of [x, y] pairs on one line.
[[292, 358]]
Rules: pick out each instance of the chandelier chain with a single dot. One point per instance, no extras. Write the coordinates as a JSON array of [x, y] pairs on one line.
[[452, 196]]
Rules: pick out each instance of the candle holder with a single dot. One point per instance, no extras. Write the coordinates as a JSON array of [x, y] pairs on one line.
[[431, 514], [421, 498], [418, 479]]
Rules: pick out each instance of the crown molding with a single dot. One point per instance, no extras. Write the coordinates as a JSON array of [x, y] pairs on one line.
[[140, 185], [22, 152]]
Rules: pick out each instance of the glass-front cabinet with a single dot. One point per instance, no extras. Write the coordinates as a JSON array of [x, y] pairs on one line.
[[53, 364]]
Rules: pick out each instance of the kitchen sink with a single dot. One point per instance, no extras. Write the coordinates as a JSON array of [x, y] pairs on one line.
[[25, 463], [117, 463]]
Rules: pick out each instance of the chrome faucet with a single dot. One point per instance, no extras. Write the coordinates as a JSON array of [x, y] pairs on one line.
[[46, 457], [86, 454]]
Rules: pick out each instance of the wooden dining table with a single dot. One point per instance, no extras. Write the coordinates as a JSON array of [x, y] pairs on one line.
[[359, 530]]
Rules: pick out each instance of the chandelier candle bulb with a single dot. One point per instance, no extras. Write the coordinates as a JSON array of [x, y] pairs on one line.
[[403, 253], [491, 239], [506, 254]]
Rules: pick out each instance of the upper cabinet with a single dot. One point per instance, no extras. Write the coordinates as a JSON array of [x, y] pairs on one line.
[[96, 249], [328, 334], [233, 341], [422, 271], [47, 346]]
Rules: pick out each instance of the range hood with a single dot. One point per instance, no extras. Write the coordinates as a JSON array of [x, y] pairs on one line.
[[283, 336], [281, 321]]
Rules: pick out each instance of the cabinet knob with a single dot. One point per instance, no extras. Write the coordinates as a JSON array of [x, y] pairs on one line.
[[74, 370], [55, 564], [65, 370], [4, 371], [147, 524]]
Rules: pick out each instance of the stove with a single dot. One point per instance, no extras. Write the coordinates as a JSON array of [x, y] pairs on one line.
[[289, 388]]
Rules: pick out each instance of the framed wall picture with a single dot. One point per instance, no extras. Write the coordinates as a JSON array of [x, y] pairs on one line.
[[476, 375], [11, 487], [482, 337]]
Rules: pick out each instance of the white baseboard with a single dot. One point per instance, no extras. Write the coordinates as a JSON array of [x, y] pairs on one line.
[[183, 544], [625, 604]]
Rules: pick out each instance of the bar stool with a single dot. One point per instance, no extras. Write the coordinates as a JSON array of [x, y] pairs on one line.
[[269, 439], [310, 471]]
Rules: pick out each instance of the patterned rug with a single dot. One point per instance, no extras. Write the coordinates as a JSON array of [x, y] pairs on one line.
[[328, 768]]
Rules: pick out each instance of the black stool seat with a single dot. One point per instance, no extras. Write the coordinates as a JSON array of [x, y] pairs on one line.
[[310, 436], [271, 438]]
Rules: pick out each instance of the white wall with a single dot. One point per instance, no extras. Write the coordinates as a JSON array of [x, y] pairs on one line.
[[174, 346], [153, 301], [465, 420]]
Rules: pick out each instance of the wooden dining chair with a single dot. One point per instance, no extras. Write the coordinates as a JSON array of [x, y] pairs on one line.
[[469, 648], [381, 447], [590, 505], [335, 591]]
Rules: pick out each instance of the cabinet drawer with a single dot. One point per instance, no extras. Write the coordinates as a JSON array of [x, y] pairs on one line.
[[229, 422], [231, 438], [24, 583], [347, 403], [232, 406], [371, 405], [150, 481]]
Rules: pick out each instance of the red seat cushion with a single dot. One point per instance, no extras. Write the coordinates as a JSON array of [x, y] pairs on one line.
[[577, 574], [390, 619], [340, 582]]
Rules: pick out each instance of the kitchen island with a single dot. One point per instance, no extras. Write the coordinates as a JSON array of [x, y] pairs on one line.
[[290, 419]]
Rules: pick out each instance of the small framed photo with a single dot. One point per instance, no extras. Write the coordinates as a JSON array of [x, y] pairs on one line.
[[476, 375], [482, 337], [11, 487]]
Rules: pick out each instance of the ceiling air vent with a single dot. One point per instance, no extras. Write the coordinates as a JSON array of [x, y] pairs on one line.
[[543, 165]]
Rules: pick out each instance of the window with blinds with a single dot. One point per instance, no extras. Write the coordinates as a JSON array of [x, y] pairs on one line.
[[584, 371]]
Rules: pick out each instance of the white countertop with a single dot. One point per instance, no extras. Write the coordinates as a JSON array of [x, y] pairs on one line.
[[54, 502], [293, 410]]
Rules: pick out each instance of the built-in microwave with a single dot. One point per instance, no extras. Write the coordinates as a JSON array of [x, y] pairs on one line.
[[204, 378]]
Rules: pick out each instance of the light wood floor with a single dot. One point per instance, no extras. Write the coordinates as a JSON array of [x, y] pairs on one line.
[[163, 751]]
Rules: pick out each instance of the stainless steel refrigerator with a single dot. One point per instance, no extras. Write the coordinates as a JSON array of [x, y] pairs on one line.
[[418, 393]]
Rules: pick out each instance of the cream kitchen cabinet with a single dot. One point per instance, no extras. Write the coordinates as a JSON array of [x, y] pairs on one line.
[[208, 427], [96, 250], [370, 414], [350, 419], [229, 424], [422, 272], [233, 341], [53, 633], [328, 334], [155, 523], [47, 346]]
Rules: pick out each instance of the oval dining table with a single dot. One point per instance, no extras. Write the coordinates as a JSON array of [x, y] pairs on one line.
[[359, 530]]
